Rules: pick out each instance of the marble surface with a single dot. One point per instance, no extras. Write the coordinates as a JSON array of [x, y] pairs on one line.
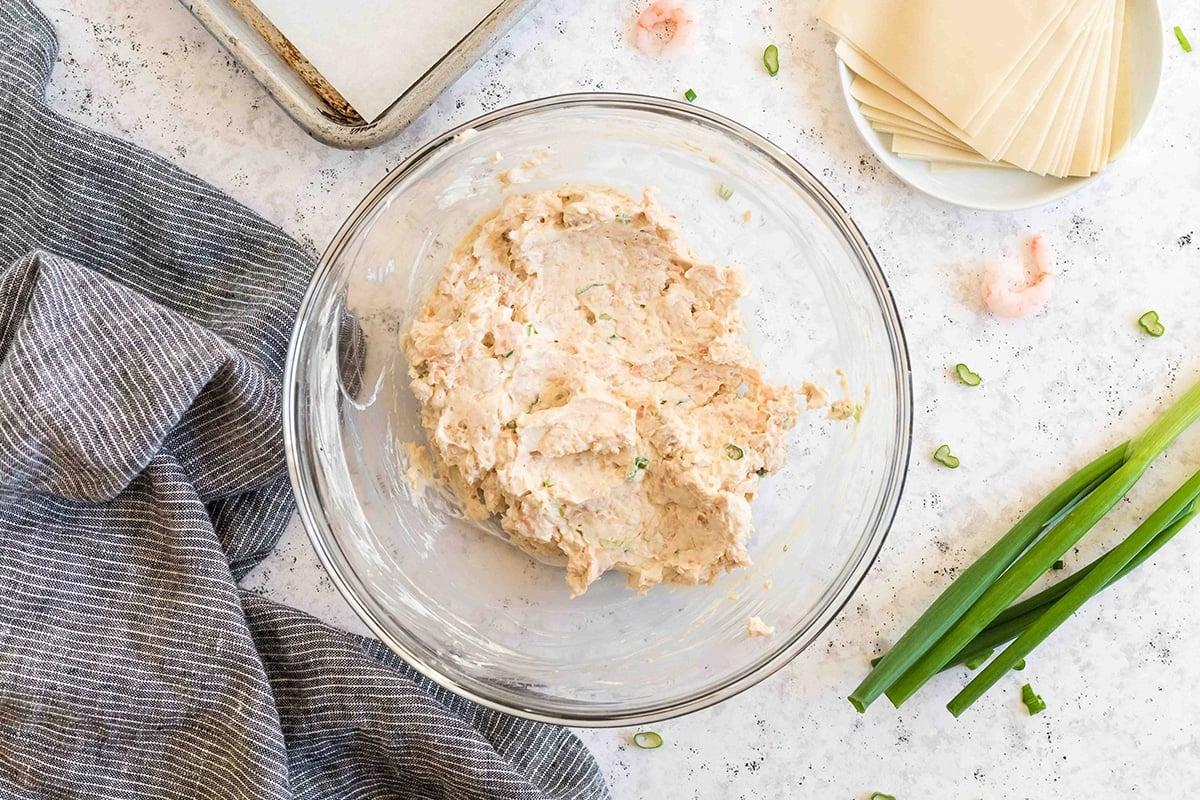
[[1122, 716]]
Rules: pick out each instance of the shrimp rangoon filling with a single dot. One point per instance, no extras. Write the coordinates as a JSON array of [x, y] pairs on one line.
[[581, 375]]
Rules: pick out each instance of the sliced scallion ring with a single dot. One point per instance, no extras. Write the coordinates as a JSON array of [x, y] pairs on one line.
[[1150, 324], [771, 60], [942, 456], [1032, 700], [647, 740], [967, 376], [734, 452], [1183, 40]]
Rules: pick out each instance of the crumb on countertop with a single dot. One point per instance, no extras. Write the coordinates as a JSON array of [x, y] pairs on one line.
[[767, 584], [746, 215]]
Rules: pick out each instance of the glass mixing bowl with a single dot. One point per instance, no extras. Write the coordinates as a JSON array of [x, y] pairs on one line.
[[471, 611]]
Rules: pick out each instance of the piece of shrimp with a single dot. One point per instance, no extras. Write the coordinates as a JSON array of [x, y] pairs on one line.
[[665, 26], [1006, 291]]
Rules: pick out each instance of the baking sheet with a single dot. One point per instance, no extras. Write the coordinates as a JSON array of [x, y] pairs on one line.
[[372, 51]]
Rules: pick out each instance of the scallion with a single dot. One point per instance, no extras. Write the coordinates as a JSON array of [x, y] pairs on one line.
[[690, 95], [734, 452], [1020, 616], [1183, 40], [1103, 573], [1032, 701], [967, 376], [1150, 324], [977, 610], [1019, 666], [882, 796], [724, 192], [997, 596], [647, 740], [959, 596], [771, 60], [1057, 565], [942, 456]]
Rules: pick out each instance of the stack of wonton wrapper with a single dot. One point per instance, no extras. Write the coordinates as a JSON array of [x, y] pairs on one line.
[[1038, 85]]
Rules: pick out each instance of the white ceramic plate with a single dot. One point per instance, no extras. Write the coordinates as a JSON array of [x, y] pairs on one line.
[[1008, 190]]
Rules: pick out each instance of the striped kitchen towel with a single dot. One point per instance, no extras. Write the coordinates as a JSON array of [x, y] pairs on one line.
[[144, 319]]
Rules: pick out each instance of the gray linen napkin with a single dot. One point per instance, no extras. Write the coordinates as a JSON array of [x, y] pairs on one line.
[[144, 319]]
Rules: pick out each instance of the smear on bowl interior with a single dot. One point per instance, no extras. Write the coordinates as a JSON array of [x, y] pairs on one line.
[[582, 377]]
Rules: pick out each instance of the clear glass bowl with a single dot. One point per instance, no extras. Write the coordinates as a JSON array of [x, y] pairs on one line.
[[474, 613]]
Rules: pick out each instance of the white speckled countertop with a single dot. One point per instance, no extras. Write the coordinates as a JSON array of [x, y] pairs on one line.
[[1119, 678]]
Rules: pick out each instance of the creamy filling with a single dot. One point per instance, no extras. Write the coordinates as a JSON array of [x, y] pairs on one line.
[[582, 377]]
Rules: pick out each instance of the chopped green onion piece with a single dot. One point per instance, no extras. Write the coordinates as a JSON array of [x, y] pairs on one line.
[[1150, 324], [529, 329], [640, 463], [734, 452], [588, 287], [1032, 701], [966, 376], [509, 353], [1060, 564], [973, 663], [771, 60], [690, 94], [1020, 665], [547, 483], [1183, 40], [943, 457], [882, 796], [724, 192], [647, 740]]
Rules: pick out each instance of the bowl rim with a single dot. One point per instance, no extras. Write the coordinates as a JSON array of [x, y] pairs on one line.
[[304, 476]]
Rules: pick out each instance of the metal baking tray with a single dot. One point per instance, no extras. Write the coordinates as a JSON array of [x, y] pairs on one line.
[[324, 114]]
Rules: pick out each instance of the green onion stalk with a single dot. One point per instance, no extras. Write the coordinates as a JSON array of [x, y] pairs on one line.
[[1017, 618], [1104, 572], [965, 590], [987, 588]]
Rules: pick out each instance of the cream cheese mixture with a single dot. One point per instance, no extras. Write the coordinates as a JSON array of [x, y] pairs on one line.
[[581, 375]]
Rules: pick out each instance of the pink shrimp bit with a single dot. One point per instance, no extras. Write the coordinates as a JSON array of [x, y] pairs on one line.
[[665, 26], [1006, 291]]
